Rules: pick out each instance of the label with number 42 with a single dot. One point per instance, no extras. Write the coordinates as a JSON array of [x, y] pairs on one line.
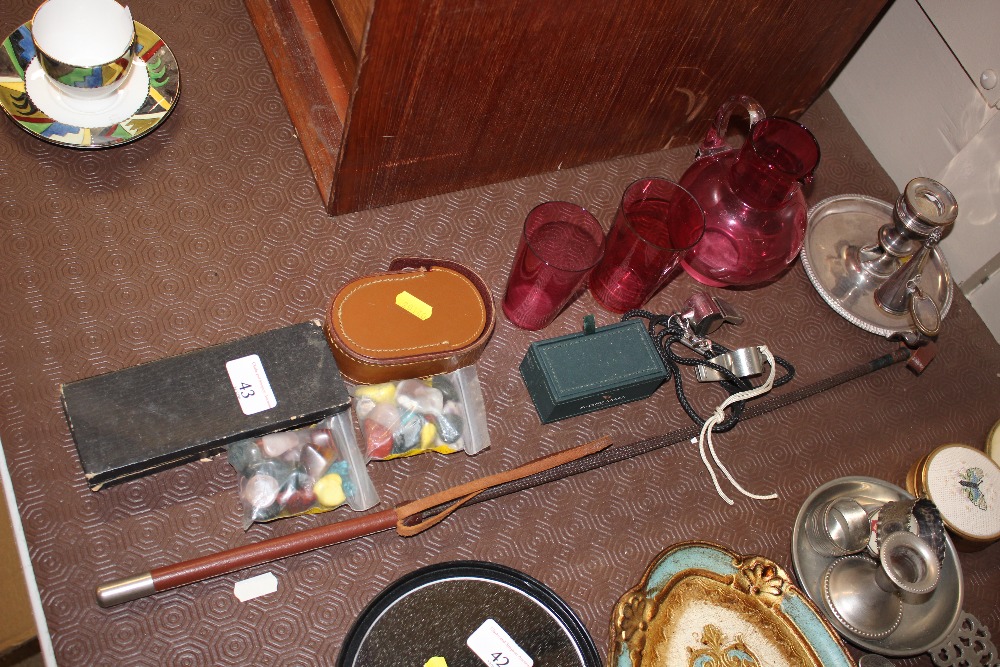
[[250, 383], [496, 648]]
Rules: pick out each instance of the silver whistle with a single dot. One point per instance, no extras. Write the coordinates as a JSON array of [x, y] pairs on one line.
[[743, 363]]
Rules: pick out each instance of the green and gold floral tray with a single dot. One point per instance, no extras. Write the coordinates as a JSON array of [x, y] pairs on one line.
[[19, 72], [700, 605]]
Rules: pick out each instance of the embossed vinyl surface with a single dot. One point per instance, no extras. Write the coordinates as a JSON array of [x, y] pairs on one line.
[[211, 228]]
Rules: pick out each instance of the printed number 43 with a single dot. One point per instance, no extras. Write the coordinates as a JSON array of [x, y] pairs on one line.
[[246, 390], [500, 660]]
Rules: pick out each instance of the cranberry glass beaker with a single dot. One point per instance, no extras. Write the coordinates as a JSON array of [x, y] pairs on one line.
[[657, 222]]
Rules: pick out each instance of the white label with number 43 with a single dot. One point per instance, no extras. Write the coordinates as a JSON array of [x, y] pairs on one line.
[[253, 391]]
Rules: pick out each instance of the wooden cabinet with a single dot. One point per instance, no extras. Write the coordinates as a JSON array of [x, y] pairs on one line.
[[394, 100]]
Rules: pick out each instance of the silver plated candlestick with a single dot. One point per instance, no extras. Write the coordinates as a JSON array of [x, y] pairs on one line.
[[878, 265]]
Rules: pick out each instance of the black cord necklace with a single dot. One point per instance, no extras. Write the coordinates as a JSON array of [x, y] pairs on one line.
[[669, 330]]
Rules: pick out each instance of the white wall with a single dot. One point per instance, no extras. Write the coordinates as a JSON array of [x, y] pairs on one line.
[[923, 112]]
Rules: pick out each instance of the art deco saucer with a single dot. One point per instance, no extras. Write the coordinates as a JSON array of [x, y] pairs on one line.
[[699, 604], [139, 106]]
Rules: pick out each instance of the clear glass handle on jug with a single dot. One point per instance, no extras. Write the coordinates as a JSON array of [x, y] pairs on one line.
[[715, 140], [755, 211]]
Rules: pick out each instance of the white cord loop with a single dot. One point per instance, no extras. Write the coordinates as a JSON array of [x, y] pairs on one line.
[[718, 416]]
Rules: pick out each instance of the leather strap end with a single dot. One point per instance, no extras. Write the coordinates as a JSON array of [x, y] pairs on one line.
[[463, 493]]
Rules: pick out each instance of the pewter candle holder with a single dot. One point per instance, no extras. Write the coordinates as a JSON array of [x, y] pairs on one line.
[[907, 569]]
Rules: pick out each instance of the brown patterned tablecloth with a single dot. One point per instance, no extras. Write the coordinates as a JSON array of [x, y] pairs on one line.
[[211, 229]]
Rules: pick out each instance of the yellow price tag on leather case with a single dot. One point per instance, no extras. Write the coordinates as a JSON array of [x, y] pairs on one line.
[[413, 305]]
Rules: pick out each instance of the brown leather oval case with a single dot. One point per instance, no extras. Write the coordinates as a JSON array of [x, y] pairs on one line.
[[422, 317]]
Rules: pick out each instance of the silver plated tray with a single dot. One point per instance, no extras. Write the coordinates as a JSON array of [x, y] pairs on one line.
[[840, 226], [923, 626]]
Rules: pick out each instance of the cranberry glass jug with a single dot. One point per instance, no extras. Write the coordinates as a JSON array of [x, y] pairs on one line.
[[755, 212]]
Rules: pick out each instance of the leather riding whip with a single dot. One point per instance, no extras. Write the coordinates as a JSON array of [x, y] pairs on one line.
[[413, 517]]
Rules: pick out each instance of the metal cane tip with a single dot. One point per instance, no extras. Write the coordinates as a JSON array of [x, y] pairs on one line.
[[125, 590]]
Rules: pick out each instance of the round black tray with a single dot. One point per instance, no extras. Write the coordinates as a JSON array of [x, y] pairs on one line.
[[433, 611]]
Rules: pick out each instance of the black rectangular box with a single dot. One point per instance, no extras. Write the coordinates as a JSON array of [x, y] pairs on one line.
[[583, 372], [163, 413]]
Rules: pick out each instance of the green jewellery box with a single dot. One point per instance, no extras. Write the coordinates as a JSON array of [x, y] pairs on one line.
[[592, 370]]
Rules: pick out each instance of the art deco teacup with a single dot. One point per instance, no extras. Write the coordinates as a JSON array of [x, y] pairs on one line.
[[85, 47]]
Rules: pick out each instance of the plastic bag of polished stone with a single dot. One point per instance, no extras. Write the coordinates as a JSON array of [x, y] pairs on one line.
[[443, 413], [304, 471]]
